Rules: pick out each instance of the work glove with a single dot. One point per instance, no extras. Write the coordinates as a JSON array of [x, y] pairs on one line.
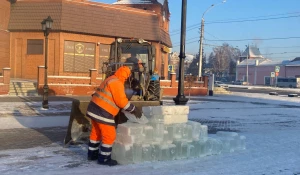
[[137, 112]]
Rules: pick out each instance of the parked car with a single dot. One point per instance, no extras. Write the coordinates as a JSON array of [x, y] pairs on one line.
[[220, 84], [238, 82]]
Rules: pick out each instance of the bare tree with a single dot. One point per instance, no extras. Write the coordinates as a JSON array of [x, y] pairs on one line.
[[223, 59]]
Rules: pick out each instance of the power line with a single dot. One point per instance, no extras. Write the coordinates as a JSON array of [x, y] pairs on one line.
[[197, 24], [260, 18], [211, 35], [284, 56], [254, 17], [252, 20], [293, 37], [279, 53], [282, 47], [185, 40], [176, 33], [296, 37]]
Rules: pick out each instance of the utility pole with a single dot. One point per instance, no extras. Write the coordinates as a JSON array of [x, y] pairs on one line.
[[201, 38], [247, 74], [201, 49]]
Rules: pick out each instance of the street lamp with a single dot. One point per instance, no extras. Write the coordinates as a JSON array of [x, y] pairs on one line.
[[201, 38], [46, 26], [180, 98]]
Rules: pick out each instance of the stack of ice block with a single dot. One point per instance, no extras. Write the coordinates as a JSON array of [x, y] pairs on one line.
[[169, 136]]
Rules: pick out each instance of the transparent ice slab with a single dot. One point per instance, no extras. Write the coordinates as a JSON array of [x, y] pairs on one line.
[[158, 134], [178, 131], [171, 131], [155, 151], [126, 139], [130, 128], [164, 154], [146, 152], [123, 154], [226, 134], [137, 151], [227, 143], [178, 144], [148, 131], [203, 132], [187, 133], [196, 129], [242, 143], [172, 149]]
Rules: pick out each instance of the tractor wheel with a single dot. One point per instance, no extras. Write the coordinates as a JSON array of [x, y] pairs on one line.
[[154, 90]]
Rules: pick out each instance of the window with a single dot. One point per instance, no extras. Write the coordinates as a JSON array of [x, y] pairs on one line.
[[79, 57], [104, 53], [35, 47]]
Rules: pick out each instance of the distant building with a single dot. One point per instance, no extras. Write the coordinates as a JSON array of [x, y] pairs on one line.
[[252, 52], [174, 60], [259, 70]]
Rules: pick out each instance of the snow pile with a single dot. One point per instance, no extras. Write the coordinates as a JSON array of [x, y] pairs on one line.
[[169, 136]]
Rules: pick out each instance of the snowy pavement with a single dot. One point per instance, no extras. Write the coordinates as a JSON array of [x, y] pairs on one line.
[[264, 87], [270, 124]]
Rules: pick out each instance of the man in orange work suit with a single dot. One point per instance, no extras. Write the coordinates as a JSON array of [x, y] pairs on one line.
[[106, 103]]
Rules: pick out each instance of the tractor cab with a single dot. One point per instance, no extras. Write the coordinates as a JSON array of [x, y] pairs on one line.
[[139, 56]]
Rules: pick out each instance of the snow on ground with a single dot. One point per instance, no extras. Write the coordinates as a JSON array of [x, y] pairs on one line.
[[270, 124], [264, 87], [32, 115]]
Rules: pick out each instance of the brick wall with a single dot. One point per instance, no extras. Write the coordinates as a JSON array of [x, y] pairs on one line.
[[5, 81], [4, 34], [70, 85], [25, 66]]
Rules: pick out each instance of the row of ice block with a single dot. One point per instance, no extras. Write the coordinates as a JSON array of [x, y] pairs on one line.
[[178, 149], [129, 133]]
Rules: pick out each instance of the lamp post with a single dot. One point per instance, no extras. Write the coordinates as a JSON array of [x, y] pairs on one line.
[[46, 26], [201, 38], [180, 98]]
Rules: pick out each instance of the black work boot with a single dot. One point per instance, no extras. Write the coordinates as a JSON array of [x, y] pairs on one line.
[[93, 150], [93, 155], [109, 162]]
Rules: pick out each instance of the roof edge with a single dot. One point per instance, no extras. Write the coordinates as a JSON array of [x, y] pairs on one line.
[[112, 6]]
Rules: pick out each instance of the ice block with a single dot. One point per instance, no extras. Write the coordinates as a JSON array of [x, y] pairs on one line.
[[165, 110], [127, 139], [148, 131], [130, 128], [146, 152]]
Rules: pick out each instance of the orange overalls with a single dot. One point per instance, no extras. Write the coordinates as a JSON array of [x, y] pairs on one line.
[[106, 103]]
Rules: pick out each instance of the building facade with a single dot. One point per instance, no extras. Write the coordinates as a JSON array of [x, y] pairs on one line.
[[81, 35], [259, 70]]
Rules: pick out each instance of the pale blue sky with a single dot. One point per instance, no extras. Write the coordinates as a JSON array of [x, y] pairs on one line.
[[238, 10]]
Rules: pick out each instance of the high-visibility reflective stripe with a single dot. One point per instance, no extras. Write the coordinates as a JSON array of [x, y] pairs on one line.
[[106, 145], [107, 101], [94, 141], [101, 118], [127, 106], [106, 84], [105, 153], [132, 109], [105, 92], [93, 149]]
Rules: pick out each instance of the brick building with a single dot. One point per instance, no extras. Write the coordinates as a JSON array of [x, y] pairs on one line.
[[81, 34], [79, 42]]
